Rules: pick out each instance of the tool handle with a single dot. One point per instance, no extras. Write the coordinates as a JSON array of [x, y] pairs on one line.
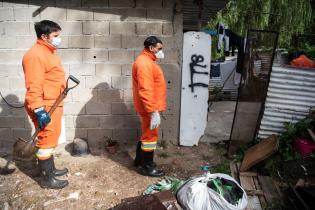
[[56, 103], [50, 112]]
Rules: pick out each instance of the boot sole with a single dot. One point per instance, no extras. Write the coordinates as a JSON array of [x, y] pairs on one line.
[[56, 188]]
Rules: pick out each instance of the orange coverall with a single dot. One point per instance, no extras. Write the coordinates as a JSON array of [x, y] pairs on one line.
[[44, 81], [149, 95]]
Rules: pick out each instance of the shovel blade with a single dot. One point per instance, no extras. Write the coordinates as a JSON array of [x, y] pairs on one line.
[[23, 150]]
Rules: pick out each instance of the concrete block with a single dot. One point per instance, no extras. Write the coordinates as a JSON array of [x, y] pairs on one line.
[[64, 42], [168, 29], [124, 28], [68, 3], [99, 134], [4, 109], [94, 3], [17, 83], [22, 132], [122, 3], [69, 121], [97, 108], [108, 14], [123, 108], [26, 14], [81, 42], [108, 42], [112, 122], [29, 124], [149, 28], [96, 27], [84, 95], [35, 3], [71, 28], [77, 14], [171, 56], [18, 112], [170, 136], [82, 69], [72, 133], [149, 4], [13, 96], [5, 133], [11, 122], [160, 15], [11, 56], [170, 42], [95, 56], [98, 82], [74, 108], [128, 95], [121, 82], [108, 70], [14, 28], [126, 70], [169, 122], [125, 135], [26, 42], [11, 70], [113, 14], [121, 56], [6, 14], [7, 42], [87, 121], [109, 95], [135, 42], [131, 121], [54, 13], [177, 4], [70, 56], [20, 3]]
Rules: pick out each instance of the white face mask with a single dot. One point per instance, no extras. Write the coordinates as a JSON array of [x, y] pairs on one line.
[[56, 41], [159, 54]]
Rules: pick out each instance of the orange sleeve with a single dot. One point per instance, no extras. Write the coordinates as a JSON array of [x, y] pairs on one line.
[[146, 86], [34, 71]]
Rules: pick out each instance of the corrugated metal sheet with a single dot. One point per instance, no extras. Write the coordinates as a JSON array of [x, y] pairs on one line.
[[290, 95], [191, 11]]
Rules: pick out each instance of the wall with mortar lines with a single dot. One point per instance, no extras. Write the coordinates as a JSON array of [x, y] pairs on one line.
[[100, 40]]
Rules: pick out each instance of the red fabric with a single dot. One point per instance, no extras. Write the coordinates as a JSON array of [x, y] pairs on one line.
[[303, 61]]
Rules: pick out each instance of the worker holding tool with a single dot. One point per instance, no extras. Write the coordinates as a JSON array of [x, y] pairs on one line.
[[149, 95], [44, 81]]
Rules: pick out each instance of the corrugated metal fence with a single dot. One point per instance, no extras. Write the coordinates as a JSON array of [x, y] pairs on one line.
[[290, 95]]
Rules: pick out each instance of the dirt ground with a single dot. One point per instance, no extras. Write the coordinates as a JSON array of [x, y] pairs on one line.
[[100, 182]]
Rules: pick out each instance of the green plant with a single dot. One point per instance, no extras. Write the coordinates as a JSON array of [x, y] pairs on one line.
[[286, 16], [223, 167]]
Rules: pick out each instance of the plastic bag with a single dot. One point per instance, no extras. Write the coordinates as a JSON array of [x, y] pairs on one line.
[[196, 195], [169, 183]]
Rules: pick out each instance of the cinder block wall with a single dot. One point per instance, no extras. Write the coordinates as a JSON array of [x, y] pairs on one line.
[[100, 40]]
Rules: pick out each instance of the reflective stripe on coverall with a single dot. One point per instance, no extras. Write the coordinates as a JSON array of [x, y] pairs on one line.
[[149, 95], [44, 81]]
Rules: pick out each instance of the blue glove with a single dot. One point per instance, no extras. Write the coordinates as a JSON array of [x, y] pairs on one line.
[[42, 116]]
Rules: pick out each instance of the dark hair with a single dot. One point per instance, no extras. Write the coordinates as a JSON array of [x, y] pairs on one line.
[[151, 40], [46, 27]]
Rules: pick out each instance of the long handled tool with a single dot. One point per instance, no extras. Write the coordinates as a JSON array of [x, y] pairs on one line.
[[25, 149]]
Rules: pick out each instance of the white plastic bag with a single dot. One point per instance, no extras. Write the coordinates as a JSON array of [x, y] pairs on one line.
[[196, 195]]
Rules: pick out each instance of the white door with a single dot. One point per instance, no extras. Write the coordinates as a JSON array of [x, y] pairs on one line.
[[194, 93]]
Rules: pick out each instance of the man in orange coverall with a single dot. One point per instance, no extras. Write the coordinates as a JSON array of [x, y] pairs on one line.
[[149, 95], [44, 81]]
